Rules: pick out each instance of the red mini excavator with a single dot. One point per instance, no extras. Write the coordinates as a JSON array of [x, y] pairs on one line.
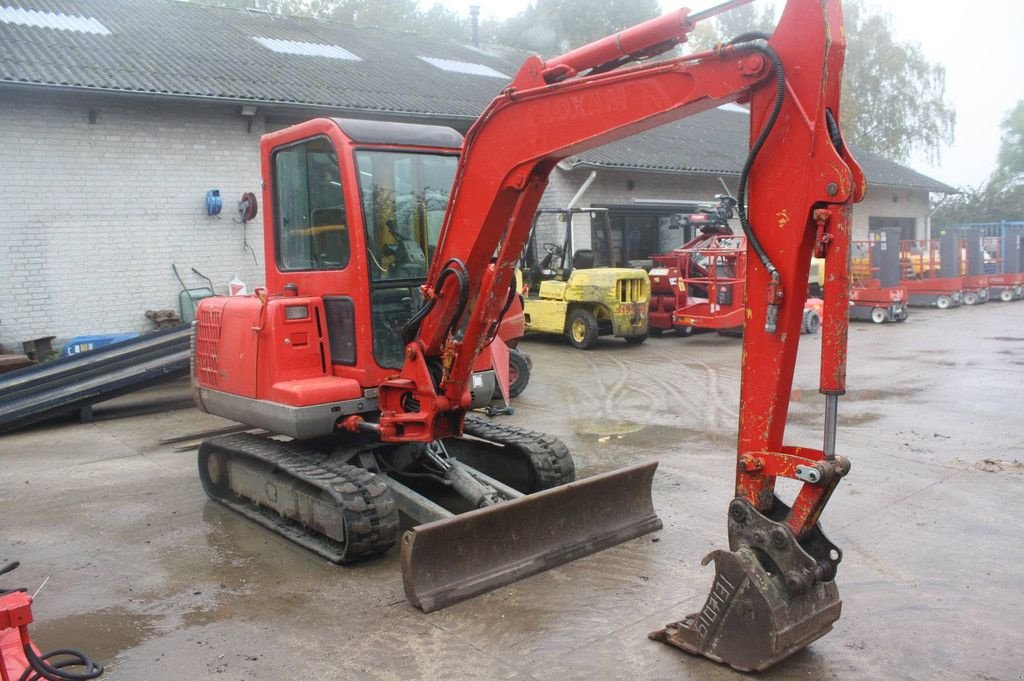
[[391, 256]]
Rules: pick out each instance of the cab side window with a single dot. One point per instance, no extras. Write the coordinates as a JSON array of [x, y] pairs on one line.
[[309, 210]]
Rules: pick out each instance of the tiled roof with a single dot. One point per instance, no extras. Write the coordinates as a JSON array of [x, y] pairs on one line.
[[715, 143], [168, 47], [186, 49]]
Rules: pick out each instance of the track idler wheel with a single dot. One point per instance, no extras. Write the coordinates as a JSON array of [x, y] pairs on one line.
[[771, 596]]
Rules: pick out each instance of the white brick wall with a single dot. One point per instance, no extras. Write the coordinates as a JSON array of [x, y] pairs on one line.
[[95, 214]]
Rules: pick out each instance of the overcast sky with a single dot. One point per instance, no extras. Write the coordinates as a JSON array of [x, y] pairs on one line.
[[979, 43]]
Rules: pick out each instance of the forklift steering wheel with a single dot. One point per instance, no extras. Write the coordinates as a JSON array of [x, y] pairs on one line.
[[552, 249]]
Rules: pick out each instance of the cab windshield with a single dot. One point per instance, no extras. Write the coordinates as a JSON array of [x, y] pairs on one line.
[[404, 198]]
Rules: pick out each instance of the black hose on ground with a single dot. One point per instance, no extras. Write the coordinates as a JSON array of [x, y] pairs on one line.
[[42, 669], [46, 667]]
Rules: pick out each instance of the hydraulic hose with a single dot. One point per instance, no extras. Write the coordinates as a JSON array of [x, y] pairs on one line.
[[453, 267], [745, 41], [46, 667], [42, 669]]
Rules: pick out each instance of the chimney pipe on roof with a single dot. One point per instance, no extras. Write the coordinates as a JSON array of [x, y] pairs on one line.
[[474, 17]]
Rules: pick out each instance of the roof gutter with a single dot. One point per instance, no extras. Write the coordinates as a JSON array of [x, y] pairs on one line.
[[274, 105]]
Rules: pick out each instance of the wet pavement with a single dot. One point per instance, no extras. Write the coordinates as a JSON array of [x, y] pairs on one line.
[[158, 583]]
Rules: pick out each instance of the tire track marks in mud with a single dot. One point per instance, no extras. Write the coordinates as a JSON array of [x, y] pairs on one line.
[[656, 388]]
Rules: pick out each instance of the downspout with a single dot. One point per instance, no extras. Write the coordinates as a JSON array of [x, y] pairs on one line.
[[582, 190], [572, 204]]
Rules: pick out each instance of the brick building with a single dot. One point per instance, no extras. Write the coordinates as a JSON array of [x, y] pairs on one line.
[[118, 116]]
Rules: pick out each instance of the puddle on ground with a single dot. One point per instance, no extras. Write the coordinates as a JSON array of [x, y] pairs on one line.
[[605, 428], [101, 634], [640, 435]]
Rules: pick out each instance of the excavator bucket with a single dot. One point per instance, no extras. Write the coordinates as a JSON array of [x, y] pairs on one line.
[[771, 597], [450, 560]]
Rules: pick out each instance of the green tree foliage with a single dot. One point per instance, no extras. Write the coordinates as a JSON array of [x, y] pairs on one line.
[[894, 100], [1002, 196], [548, 27], [1010, 170]]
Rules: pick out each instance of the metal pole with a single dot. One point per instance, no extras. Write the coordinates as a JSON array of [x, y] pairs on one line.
[[831, 413]]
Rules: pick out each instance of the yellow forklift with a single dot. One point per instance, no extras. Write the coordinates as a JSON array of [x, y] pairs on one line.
[[568, 293]]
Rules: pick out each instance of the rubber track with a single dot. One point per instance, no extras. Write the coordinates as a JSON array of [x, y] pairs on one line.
[[550, 459], [371, 516]]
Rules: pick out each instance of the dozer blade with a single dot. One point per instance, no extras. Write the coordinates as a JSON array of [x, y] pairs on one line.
[[450, 560], [755, 615]]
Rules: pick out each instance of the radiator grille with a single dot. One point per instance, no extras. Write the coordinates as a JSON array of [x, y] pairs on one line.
[[631, 290], [207, 346]]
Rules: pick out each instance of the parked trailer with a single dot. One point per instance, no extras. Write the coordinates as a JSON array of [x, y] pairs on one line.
[[930, 270], [877, 293]]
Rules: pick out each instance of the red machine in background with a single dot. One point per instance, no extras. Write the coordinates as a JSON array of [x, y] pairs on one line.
[[877, 293], [1006, 264], [972, 263], [701, 286], [363, 347], [930, 272]]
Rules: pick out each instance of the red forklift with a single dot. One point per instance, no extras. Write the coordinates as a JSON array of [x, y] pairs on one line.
[[876, 292], [930, 271]]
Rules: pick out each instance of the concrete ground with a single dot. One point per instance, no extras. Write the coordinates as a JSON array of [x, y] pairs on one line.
[[158, 583]]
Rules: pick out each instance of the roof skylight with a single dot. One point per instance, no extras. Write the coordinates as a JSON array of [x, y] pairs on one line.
[[61, 22], [306, 49], [466, 67]]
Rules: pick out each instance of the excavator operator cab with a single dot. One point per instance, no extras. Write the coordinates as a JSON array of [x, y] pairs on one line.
[[355, 211]]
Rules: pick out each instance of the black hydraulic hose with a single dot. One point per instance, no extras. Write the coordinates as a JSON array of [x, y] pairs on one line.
[[833, 131], [454, 267], [42, 669], [45, 667], [512, 293], [743, 41]]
